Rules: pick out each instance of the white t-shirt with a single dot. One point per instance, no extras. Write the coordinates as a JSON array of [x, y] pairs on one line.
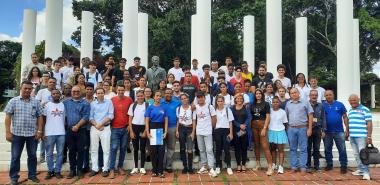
[[228, 100], [304, 92], [269, 98], [184, 116], [284, 81], [109, 96], [321, 94], [139, 118], [44, 95], [58, 75], [215, 75], [203, 117], [92, 78], [178, 73], [67, 73], [55, 119], [277, 120], [207, 100], [197, 72], [223, 121], [127, 93], [246, 99]]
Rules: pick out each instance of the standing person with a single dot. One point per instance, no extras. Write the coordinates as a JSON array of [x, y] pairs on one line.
[[23, 124], [318, 131], [148, 95], [128, 91], [170, 81], [269, 93], [336, 116], [206, 74], [101, 115], [238, 90], [35, 76], [48, 62], [109, 68], [57, 75], [314, 86], [188, 87], [238, 77], [170, 105], [214, 70], [245, 73], [227, 61], [176, 70], [223, 134], [300, 117], [109, 94], [136, 71], [194, 79], [230, 72], [228, 99], [282, 97], [204, 117], [277, 134], [281, 69], [71, 79], [208, 97], [241, 123], [195, 70], [142, 85], [35, 58], [177, 90], [89, 98], [119, 132], [93, 76], [156, 118], [137, 132], [185, 132], [260, 122], [261, 79], [302, 86], [68, 70], [77, 111], [360, 130], [54, 116], [155, 73], [118, 72]]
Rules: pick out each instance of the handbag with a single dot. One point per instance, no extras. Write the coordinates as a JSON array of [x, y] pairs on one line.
[[369, 155]]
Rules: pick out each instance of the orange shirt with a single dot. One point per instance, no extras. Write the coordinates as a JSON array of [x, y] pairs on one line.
[[121, 107]]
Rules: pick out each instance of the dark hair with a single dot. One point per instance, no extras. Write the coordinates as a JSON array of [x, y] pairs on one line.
[[48, 59], [57, 62], [176, 58], [98, 88], [266, 85], [160, 83], [238, 67], [237, 84], [221, 77], [77, 77], [229, 65], [30, 75], [194, 60], [61, 58], [140, 91], [75, 67], [89, 84], [296, 82], [123, 59], [247, 81], [186, 67], [56, 90], [244, 62], [137, 58], [206, 66], [92, 63], [262, 95], [121, 85], [275, 86], [52, 78], [216, 100], [26, 82], [176, 82], [276, 98], [188, 72], [281, 66]]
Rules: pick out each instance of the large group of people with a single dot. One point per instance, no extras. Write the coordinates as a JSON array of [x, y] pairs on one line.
[[94, 115]]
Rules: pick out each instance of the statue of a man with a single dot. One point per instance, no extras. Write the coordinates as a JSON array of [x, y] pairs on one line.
[[155, 74]]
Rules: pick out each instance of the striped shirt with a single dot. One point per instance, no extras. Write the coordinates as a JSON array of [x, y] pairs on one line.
[[358, 119]]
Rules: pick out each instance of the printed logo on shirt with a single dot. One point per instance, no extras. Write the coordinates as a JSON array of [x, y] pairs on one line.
[[202, 115], [57, 113]]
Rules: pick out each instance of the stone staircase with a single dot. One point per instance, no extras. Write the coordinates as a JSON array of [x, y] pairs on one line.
[[5, 153]]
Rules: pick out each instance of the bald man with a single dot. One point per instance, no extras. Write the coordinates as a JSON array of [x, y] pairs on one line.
[[360, 132]]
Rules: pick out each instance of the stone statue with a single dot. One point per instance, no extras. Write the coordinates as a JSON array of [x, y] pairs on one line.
[[155, 74]]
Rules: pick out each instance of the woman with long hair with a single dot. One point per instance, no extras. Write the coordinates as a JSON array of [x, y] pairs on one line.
[[238, 90], [260, 122], [241, 123], [35, 76], [162, 86], [107, 89], [80, 81], [170, 80], [128, 89], [269, 94], [282, 97], [148, 95], [228, 99], [301, 84]]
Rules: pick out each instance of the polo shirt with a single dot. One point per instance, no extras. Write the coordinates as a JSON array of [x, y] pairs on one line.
[[156, 114], [298, 112], [357, 121], [334, 116], [121, 107], [171, 108]]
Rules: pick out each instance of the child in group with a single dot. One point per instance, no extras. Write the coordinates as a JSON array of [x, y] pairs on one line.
[[277, 134]]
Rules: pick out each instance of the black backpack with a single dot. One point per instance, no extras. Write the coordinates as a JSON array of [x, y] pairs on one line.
[[88, 76], [135, 105], [51, 74]]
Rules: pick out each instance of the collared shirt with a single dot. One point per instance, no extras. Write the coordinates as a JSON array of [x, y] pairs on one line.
[[76, 110], [171, 108], [24, 115], [334, 116], [358, 118], [101, 110], [298, 112], [319, 118]]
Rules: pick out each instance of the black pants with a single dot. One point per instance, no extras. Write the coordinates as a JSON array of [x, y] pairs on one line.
[[220, 137], [184, 145], [139, 144], [76, 142], [314, 142], [157, 151], [241, 146]]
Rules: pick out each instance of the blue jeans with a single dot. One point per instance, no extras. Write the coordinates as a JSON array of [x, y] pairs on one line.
[[298, 137], [42, 149], [59, 142], [358, 143], [119, 139], [17, 146], [339, 139]]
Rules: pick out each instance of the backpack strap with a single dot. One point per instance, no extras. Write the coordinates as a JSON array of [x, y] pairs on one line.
[[134, 107], [88, 76]]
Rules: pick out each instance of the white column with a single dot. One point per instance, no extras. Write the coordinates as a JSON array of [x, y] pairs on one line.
[[195, 38], [204, 13], [143, 38], [274, 34], [301, 46], [130, 27], [344, 49], [249, 41], [356, 58], [53, 37], [373, 96], [28, 37], [87, 35]]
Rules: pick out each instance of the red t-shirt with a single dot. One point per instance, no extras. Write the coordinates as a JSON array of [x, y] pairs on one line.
[[233, 81], [121, 107]]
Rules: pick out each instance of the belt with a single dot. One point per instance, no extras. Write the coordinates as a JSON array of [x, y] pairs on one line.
[[298, 126], [188, 126]]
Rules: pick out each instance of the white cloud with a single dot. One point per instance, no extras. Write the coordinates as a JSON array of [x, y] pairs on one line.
[[70, 24]]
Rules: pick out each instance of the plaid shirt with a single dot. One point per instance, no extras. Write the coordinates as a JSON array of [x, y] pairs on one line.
[[24, 115]]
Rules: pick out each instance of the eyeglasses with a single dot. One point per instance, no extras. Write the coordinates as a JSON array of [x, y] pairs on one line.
[[75, 91]]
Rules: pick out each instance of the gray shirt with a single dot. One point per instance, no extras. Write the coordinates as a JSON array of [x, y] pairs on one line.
[[298, 111]]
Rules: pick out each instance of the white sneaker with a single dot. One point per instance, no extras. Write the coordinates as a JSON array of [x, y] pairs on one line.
[[135, 171], [366, 177], [202, 170], [274, 167], [280, 169], [213, 173], [217, 170], [142, 171], [229, 171], [357, 173], [196, 159]]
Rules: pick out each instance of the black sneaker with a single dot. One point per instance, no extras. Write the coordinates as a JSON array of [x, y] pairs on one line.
[[129, 150], [328, 168], [184, 171], [343, 170], [49, 175], [169, 170], [58, 175], [71, 175], [105, 173], [80, 175], [92, 173], [34, 179], [190, 171], [86, 170], [13, 182]]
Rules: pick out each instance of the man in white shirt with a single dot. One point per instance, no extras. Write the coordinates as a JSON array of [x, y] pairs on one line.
[[214, 70], [68, 70], [34, 63], [195, 70], [286, 83], [314, 86], [57, 75], [228, 61], [44, 95], [93, 76], [176, 70]]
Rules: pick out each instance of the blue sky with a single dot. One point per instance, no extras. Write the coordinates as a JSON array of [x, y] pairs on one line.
[[11, 13]]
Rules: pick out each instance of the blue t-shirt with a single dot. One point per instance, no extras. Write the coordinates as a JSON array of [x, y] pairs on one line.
[[334, 116], [156, 114], [171, 108]]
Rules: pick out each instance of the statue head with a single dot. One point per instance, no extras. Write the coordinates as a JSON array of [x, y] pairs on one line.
[[155, 61]]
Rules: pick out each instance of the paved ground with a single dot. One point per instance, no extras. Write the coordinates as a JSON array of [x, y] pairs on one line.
[[250, 177]]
